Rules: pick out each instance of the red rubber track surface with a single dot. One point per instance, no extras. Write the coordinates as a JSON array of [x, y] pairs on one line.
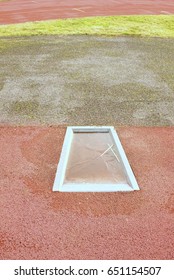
[[36, 223], [16, 11]]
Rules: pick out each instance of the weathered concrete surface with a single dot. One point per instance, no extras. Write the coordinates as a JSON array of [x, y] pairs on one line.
[[83, 80]]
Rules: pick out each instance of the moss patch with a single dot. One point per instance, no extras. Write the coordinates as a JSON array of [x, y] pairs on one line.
[[28, 108]]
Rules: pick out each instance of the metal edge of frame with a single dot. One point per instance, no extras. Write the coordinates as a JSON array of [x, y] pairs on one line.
[[61, 168]]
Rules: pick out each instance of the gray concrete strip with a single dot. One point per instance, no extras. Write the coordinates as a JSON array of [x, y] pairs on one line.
[[87, 80]]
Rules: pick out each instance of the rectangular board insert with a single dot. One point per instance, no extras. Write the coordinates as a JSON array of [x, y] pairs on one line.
[[93, 160]]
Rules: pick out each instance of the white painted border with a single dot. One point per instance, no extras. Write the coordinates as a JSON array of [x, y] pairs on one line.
[[73, 187]]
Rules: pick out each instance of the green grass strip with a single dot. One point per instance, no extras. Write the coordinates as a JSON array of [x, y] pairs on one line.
[[148, 25]]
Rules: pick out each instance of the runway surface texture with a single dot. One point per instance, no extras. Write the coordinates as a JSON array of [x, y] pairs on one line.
[[15, 11]]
